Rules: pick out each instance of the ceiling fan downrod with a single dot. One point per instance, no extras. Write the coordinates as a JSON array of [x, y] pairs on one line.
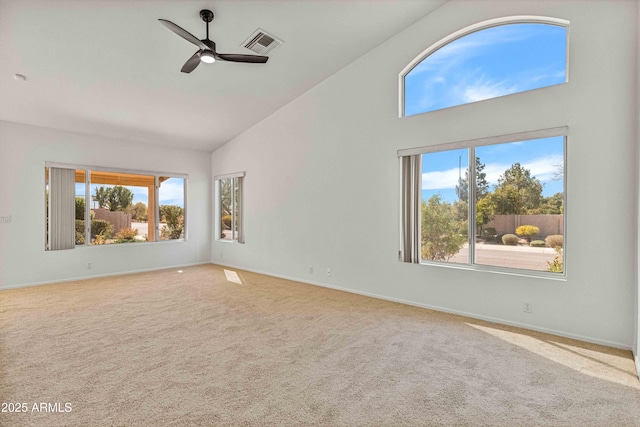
[[207, 16]]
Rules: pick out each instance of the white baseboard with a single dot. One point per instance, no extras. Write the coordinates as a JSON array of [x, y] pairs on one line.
[[447, 310], [96, 276]]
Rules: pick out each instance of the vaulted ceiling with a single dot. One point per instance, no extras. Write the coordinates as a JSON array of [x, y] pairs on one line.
[[109, 68]]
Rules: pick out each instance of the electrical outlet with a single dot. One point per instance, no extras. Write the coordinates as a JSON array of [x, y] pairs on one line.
[[221, 255], [5, 219], [527, 307], [311, 270], [328, 271], [89, 266]]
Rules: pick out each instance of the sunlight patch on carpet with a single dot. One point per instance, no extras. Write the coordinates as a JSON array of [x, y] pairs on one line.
[[232, 277], [597, 364]]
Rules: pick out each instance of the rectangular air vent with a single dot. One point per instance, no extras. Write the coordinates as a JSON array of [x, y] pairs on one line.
[[261, 43]]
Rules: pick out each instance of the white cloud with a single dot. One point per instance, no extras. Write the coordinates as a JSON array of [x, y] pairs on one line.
[[139, 191], [448, 56], [543, 168], [172, 191], [461, 49], [486, 89], [439, 180]]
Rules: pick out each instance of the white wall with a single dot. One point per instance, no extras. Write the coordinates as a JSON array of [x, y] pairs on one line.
[[23, 152], [322, 183]]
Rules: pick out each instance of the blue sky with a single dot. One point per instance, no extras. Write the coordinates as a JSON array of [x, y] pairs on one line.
[[542, 157], [486, 64], [171, 192]]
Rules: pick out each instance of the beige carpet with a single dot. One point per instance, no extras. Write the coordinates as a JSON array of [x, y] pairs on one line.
[[203, 347]]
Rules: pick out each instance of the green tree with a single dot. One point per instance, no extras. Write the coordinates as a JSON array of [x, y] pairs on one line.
[[461, 209], [101, 196], [116, 198], [552, 204], [442, 235], [225, 196], [482, 186], [119, 198], [138, 211], [517, 192], [485, 211], [506, 200]]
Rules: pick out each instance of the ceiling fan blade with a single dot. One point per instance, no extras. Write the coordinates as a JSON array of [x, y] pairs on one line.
[[183, 33], [255, 59], [191, 63]]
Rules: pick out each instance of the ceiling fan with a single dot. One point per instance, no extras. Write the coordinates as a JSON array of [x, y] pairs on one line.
[[207, 48]]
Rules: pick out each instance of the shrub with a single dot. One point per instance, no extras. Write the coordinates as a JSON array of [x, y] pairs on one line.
[[556, 266], [126, 235], [173, 216], [80, 232], [226, 222], [527, 231], [173, 231], [80, 208], [100, 227], [554, 241], [538, 244], [510, 239], [100, 240], [488, 234]]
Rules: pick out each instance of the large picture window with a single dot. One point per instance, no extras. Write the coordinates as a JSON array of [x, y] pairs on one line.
[[229, 207], [495, 203], [110, 206], [484, 61]]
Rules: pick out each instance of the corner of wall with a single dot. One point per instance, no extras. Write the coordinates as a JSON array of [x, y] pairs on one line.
[[636, 335]]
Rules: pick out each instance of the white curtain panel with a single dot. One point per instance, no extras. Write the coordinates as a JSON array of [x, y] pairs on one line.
[[62, 205], [411, 183]]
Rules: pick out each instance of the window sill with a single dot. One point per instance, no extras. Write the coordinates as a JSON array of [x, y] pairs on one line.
[[560, 277]]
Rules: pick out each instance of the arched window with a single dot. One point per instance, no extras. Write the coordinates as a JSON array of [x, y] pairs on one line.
[[484, 61]]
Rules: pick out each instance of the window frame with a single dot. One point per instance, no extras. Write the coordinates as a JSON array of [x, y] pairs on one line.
[[410, 219], [523, 19], [87, 183], [237, 215]]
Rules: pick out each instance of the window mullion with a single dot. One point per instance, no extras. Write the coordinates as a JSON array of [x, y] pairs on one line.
[[234, 183], [87, 205], [471, 184], [416, 207], [156, 207], [239, 210]]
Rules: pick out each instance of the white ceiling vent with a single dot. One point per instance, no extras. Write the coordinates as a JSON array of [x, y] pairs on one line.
[[261, 43]]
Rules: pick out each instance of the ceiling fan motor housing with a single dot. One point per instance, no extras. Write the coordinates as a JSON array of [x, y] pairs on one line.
[[206, 15]]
